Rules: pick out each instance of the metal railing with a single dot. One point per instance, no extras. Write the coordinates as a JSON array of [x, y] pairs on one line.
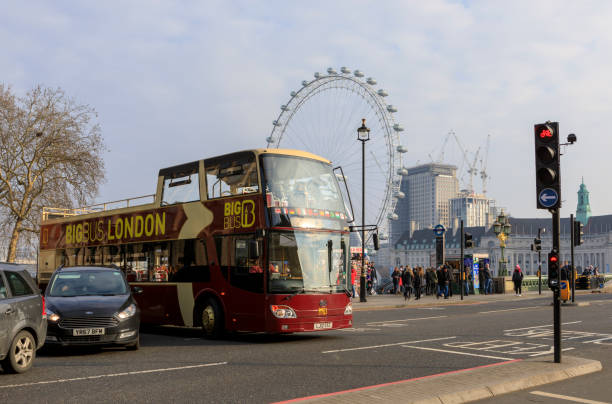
[[53, 213]]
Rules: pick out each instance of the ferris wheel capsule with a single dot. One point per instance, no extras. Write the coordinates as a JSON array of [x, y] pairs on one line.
[[331, 70], [398, 128], [399, 195], [270, 139], [305, 83], [391, 108], [358, 73], [317, 75], [284, 108], [401, 149], [382, 93], [402, 171], [371, 81], [276, 123], [383, 236], [344, 70], [392, 216], [293, 93]]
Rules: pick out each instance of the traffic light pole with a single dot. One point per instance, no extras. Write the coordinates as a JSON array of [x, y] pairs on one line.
[[461, 263], [556, 241], [572, 241], [539, 264]]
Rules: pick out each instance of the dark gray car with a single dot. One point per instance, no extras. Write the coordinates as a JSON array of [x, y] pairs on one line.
[[23, 321]]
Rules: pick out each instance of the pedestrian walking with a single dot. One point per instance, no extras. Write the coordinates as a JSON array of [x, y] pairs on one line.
[[407, 277], [353, 278], [467, 277], [488, 280], [418, 280], [396, 277], [517, 278]]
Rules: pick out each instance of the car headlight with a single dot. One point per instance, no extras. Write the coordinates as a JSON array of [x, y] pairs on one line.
[[128, 312], [282, 311], [52, 316], [348, 309]]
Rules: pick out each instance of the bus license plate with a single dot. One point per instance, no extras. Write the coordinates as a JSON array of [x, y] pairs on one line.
[[88, 331], [323, 326]]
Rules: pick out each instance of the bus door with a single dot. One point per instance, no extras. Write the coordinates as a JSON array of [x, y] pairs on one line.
[[246, 276]]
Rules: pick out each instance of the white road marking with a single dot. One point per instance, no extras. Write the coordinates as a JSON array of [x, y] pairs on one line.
[[386, 345], [568, 398], [406, 319], [551, 351], [458, 353], [520, 308], [139, 372], [431, 308], [540, 326], [357, 329]]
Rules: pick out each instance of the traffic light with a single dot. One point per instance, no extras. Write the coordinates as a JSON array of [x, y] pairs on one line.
[[578, 233], [375, 241], [537, 244], [553, 269], [547, 164], [469, 243]]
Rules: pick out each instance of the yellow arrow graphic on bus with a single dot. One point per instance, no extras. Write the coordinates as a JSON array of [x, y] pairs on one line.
[[198, 217]]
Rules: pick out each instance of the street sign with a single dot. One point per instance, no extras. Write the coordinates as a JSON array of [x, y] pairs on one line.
[[548, 197], [439, 230]]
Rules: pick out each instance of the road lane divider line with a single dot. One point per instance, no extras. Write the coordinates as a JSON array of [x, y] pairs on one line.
[[457, 353], [406, 319], [337, 393], [386, 345], [568, 398], [136, 372], [550, 352], [520, 308], [545, 325]]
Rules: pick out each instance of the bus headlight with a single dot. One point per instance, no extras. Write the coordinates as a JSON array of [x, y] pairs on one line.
[[283, 311], [348, 309], [128, 312]]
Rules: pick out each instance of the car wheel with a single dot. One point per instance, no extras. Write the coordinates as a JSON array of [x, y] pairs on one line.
[[212, 319], [21, 354]]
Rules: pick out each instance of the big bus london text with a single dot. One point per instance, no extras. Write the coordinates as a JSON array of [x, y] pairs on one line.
[[251, 241]]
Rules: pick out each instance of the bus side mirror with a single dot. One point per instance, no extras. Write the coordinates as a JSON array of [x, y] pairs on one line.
[[253, 249]]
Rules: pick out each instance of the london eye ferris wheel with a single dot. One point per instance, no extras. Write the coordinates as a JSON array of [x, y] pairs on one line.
[[322, 117]]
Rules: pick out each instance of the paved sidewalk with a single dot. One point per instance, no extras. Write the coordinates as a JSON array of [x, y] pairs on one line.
[[380, 302], [466, 385]]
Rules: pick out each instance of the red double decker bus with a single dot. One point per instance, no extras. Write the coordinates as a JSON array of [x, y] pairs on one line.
[[254, 241]]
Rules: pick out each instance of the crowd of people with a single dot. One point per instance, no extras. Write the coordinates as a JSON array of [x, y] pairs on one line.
[[416, 281]]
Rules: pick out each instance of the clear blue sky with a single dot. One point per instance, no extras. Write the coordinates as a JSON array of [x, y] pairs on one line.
[[178, 81]]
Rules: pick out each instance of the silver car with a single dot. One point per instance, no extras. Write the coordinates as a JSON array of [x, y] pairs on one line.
[[23, 321]]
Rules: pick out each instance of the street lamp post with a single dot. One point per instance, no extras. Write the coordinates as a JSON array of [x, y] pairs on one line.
[[502, 229], [363, 135]]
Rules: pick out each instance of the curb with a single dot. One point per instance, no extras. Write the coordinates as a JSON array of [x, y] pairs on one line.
[[485, 382]]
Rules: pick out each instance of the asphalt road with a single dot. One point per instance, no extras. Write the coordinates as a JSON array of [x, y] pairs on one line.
[[176, 365]]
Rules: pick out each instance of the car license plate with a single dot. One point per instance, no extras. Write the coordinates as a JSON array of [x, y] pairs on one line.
[[88, 331], [323, 326]]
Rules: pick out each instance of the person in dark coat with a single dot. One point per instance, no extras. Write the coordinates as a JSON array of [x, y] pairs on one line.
[[517, 278], [418, 280], [407, 277], [395, 276]]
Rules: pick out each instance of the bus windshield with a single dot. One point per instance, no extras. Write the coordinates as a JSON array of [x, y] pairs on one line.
[[301, 183], [303, 261]]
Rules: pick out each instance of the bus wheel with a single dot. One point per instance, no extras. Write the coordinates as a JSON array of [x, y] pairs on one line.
[[212, 319]]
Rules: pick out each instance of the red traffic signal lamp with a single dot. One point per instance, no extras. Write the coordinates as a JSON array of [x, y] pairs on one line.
[[547, 163], [553, 270]]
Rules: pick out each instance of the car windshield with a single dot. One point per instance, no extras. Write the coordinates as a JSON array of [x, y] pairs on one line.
[[303, 261], [88, 283]]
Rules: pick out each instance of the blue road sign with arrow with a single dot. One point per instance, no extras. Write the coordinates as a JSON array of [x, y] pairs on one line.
[[548, 197]]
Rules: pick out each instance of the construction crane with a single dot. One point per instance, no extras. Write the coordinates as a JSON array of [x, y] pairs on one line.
[[440, 157], [471, 165], [483, 166]]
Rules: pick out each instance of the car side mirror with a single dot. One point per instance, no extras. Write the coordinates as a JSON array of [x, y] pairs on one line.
[[137, 290]]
